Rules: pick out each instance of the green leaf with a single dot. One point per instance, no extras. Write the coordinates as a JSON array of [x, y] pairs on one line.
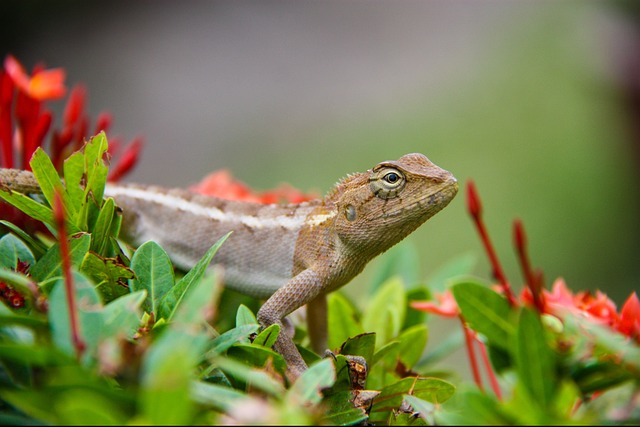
[[198, 305], [49, 181], [50, 265], [535, 359], [342, 320], [400, 261], [386, 311], [35, 355], [154, 273], [89, 315], [96, 170], [37, 247], [426, 409], [412, 344], [110, 274], [216, 396], [73, 169], [485, 311], [474, 407], [103, 226], [258, 356], [35, 210], [267, 338], [229, 338], [432, 390], [340, 410], [416, 317], [167, 375], [307, 390], [168, 367], [245, 316], [360, 345], [13, 250], [121, 317], [253, 377], [174, 296]]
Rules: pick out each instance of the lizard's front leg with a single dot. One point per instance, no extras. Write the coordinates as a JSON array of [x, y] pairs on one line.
[[298, 291]]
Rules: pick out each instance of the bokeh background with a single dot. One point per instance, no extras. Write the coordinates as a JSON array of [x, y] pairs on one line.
[[537, 101]]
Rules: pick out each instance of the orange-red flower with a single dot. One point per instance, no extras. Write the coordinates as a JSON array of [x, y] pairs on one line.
[[223, 185], [43, 85], [445, 305]]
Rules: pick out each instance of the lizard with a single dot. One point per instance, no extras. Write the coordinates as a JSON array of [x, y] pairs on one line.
[[289, 254]]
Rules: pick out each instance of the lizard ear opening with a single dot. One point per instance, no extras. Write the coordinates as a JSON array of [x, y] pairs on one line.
[[387, 182]]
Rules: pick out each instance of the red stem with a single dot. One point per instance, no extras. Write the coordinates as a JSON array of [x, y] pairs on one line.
[[468, 337], [58, 210], [534, 281], [487, 365], [475, 209]]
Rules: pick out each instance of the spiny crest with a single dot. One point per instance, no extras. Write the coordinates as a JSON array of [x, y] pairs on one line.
[[340, 187]]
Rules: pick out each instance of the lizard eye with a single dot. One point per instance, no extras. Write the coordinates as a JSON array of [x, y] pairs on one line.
[[387, 183], [391, 178]]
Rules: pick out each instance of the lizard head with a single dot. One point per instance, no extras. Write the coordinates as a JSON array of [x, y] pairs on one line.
[[378, 208]]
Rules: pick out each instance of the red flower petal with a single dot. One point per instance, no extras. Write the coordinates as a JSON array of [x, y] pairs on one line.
[[445, 306], [45, 84], [629, 323]]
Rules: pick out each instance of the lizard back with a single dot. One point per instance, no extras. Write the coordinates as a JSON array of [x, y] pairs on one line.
[[258, 256]]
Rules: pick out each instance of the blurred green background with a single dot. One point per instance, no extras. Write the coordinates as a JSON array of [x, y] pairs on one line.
[[537, 101]]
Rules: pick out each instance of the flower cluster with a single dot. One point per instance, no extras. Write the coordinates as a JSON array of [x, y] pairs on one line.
[[558, 302], [25, 120], [222, 184], [598, 308], [8, 294]]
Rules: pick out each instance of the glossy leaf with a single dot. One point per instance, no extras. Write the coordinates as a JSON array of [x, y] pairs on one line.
[[253, 377], [121, 316], [50, 265], [258, 356], [400, 261], [89, 311], [307, 390], [223, 342], [154, 274], [38, 248], [534, 358], [432, 390], [412, 344], [485, 311], [175, 295], [219, 397], [35, 210], [268, 336], [342, 320], [109, 273], [386, 311], [13, 250], [102, 230], [341, 410], [244, 316], [49, 181], [360, 345]]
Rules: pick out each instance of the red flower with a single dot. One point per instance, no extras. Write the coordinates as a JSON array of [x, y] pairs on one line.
[[446, 305], [222, 184], [629, 320], [43, 85]]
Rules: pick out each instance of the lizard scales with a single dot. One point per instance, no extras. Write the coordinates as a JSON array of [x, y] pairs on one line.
[[291, 254]]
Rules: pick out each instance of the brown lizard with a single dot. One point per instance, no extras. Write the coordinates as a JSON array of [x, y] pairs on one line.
[[292, 254]]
